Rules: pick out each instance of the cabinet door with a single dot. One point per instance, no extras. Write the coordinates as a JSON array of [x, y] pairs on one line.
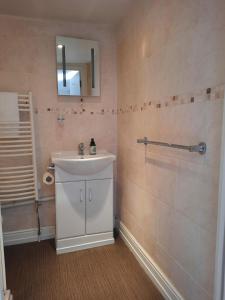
[[70, 209], [99, 206]]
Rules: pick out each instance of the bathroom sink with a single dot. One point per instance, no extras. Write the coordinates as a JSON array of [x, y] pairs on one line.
[[73, 163]]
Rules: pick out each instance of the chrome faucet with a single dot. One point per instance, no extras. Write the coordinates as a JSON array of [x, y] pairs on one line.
[[81, 149]]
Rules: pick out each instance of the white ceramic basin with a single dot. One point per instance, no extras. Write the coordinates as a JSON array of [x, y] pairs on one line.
[[76, 164]]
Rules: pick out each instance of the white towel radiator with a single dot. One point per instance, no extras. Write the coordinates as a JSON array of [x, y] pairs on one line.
[[18, 174]]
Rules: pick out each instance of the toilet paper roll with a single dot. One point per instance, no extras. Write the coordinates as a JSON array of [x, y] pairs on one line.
[[48, 178]]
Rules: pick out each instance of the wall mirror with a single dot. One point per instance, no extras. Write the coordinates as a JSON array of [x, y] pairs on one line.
[[78, 67]]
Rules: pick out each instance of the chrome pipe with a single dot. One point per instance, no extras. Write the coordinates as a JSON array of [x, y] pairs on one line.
[[51, 167]]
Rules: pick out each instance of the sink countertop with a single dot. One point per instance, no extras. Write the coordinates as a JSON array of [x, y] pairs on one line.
[[75, 164]]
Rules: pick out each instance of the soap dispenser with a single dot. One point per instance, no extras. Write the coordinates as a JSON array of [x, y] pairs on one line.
[[92, 147]]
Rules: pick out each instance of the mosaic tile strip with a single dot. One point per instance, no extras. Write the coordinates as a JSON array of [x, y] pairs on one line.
[[73, 111], [209, 94]]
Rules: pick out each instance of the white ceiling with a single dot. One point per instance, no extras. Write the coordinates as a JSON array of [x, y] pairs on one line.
[[96, 11]]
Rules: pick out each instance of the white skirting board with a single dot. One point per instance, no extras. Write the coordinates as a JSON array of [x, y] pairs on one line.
[[164, 285], [28, 235]]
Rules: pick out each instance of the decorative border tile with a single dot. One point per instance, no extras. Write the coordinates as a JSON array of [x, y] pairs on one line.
[[209, 94]]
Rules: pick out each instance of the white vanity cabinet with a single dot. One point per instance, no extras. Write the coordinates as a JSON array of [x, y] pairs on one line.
[[84, 210]]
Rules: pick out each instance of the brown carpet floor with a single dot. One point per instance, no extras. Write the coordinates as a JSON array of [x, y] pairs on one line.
[[35, 272]]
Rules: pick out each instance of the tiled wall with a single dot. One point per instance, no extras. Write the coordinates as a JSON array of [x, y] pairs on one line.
[[171, 74], [28, 63]]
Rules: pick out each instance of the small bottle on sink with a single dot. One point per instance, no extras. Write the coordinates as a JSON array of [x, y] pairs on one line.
[[92, 147]]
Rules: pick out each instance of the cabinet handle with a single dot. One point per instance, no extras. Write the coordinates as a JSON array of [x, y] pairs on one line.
[[81, 195], [90, 195]]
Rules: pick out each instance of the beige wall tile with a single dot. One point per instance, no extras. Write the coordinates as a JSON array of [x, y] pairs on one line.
[[28, 63], [163, 50], [186, 285]]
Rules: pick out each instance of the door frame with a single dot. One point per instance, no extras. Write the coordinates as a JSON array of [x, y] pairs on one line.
[[219, 283], [2, 261]]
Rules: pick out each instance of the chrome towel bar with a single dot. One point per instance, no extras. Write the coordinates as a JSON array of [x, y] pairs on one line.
[[200, 148]]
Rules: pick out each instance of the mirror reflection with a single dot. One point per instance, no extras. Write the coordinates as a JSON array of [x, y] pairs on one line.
[[77, 67]]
